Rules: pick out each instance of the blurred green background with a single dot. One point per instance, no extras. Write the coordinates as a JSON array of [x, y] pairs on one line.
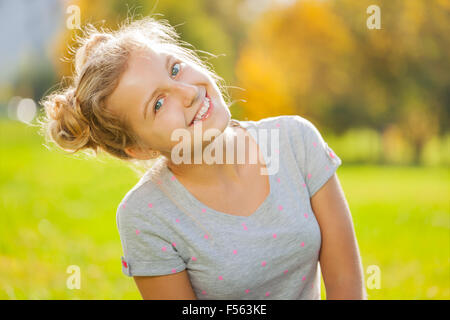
[[380, 98]]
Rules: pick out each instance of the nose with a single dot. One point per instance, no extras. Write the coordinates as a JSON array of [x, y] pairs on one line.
[[189, 94]]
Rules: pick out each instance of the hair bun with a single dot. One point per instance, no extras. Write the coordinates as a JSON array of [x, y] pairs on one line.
[[65, 124], [57, 104]]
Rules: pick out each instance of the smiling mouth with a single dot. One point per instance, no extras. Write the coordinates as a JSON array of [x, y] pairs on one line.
[[206, 112]]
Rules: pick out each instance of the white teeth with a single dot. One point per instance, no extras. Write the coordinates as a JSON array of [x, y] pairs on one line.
[[203, 110]]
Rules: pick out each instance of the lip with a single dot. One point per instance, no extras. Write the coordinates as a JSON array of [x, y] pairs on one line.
[[211, 106]]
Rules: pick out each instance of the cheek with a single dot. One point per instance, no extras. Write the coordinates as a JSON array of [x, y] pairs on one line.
[[166, 127], [171, 120]]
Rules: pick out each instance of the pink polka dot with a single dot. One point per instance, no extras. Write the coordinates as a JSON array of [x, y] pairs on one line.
[[247, 290], [278, 125], [303, 278], [174, 270], [304, 185], [150, 205], [220, 278], [314, 144], [267, 293], [163, 248], [326, 167], [203, 292], [206, 236], [306, 215], [124, 264], [274, 235], [309, 175], [177, 220], [263, 263], [172, 178], [302, 244], [278, 180], [174, 244], [280, 207], [234, 251], [194, 259], [245, 227], [331, 155], [123, 205], [285, 271], [137, 231], [203, 210]]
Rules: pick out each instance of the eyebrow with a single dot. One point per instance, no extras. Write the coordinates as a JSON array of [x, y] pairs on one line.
[[154, 93]]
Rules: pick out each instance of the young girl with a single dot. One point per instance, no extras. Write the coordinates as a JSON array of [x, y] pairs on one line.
[[197, 230]]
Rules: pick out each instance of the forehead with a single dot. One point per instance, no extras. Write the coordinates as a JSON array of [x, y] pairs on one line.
[[145, 64], [143, 60], [144, 67]]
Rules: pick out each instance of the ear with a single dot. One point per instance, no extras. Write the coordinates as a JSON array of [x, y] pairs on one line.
[[139, 153]]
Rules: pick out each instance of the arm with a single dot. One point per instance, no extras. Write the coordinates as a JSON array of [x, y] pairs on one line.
[[339, 256], [168, 287]]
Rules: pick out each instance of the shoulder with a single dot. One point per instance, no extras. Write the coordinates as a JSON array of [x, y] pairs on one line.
[[282, 122], [139, 201], [291, 128]]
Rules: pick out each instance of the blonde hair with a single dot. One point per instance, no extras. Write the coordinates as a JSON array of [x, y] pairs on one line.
[[76, 117]]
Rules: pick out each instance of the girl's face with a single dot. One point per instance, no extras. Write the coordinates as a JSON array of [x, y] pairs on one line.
[[159, 93]]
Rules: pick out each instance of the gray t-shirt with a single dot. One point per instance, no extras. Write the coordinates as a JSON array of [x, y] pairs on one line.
[[271, 254]]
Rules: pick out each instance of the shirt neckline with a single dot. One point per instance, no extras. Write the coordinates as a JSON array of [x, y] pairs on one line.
[[186, 195]]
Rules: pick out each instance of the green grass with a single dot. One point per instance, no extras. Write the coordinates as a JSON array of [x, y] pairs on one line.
[[402, 223], [59, 211]]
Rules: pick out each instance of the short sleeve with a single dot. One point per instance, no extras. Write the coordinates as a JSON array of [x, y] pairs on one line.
[[147, 247], [319, 162]]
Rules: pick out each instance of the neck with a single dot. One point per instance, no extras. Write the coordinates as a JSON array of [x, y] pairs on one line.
[[216, 174]]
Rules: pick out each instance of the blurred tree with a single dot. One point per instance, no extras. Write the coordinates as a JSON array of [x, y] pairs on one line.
[[319, 59], [34, 77]]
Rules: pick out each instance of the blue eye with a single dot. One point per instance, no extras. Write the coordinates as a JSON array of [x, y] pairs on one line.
[[178, 69], [156, 105]]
